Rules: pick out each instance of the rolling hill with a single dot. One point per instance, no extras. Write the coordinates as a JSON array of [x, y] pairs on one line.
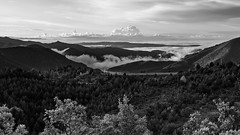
[[77, 50], [33, 56], [6, 42]]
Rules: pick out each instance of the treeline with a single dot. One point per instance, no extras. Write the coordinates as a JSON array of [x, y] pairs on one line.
[[165, 100]]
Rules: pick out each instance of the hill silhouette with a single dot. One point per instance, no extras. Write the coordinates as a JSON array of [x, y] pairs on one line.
[[142, 66], [77, 50], [33, 56]]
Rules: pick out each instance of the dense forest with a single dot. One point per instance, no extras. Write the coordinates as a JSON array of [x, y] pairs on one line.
[[165, 100]]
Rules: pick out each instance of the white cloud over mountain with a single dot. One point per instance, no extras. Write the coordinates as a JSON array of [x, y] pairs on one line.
[[127, 31], [75, 33]]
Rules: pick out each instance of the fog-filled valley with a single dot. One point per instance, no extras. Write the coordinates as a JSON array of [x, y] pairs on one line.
[[111, 61]]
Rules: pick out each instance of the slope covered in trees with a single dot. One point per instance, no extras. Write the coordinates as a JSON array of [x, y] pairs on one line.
[[165, 100], [142, 66]]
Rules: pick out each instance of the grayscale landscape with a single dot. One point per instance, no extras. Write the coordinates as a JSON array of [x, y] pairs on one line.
[[119, 67]]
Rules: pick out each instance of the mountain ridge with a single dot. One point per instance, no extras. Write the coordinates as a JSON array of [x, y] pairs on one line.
[[228, 51]]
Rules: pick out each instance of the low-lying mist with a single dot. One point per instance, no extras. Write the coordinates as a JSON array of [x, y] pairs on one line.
[[179, 52], [112, 61], [109, 61]]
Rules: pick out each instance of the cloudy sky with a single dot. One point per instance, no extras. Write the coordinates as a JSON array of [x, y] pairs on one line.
[[33, 17]]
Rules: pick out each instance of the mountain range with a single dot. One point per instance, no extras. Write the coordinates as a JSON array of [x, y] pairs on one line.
[[228, 51], [29, 54], [131, 45]]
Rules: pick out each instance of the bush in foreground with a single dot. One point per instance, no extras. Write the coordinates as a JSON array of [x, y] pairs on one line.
[[227, 122], [7, 123], [70, 118]]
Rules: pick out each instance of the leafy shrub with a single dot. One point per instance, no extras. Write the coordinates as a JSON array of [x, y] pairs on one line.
[[7, 123], [226, 124]]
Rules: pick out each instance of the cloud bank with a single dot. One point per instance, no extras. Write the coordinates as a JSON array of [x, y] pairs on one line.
[[77, 34], [109, 61], [59, 51]]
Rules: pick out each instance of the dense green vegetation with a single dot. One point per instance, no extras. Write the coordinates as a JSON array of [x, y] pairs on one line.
[[165, 100]]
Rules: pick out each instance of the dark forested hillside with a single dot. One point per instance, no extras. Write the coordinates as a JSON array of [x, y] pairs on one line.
[[165, 100], [142, 67], [33, 56]]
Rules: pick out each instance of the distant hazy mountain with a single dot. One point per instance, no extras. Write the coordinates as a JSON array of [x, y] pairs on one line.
[[6, 42], [33, 56], [223, 53], [131, 45]]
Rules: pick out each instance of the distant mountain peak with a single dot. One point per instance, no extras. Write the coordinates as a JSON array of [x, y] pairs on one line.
[[36, 46]]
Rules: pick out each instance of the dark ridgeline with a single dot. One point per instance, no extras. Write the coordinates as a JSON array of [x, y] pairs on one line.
[[6, 42], [34, 57]]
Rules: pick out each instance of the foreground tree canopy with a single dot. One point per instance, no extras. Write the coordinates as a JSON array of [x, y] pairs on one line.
[[227, 122], [69, 118]]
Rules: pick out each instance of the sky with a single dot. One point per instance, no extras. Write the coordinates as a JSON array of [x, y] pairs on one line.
[[33, 17]]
